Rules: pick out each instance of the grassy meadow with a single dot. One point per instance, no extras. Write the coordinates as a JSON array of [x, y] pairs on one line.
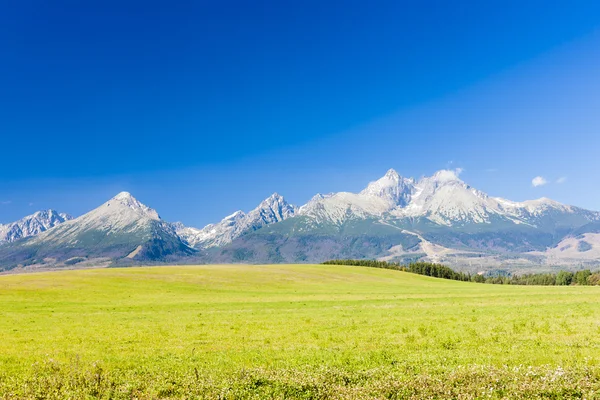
[[292, 331]]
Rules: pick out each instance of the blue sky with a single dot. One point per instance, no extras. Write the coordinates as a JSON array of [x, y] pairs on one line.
[[203, 108]]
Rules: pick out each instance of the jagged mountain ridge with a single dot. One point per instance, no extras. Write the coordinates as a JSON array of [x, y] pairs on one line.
[[271, 210], [121, 228], [31, 225], [438, 218], [396, 218], [442, 199]]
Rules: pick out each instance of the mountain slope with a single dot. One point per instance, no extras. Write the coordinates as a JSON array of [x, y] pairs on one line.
[[437, 218], [31, 225], [393, 188], [574, 249], [120, 228], [271, 210]]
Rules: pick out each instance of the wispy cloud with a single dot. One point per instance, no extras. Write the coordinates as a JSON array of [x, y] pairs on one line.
[[539, 181], [491, 170], [30, 204], [562, 179], [447, 175], [5, 202]]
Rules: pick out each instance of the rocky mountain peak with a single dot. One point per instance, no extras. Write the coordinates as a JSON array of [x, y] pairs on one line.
[[124, 196], [273, 209], [32, 225], [391, 187], [273, 199], [392, 174], [233, 218], [125, 199]]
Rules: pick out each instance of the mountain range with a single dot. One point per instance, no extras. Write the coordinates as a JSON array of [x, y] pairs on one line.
[[438, 218], [31, 225]]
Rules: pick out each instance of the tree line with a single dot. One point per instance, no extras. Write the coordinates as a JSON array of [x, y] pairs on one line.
[[584, 277]]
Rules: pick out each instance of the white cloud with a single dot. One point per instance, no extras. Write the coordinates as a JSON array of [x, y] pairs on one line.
[[448, 175], [539, 181], [491, 170], [5, 202], [562, 179]]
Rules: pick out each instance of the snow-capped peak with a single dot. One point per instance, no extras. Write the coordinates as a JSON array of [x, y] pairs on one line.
[[127, 200], [271, 210], [443, 198], [121, 215], [235, 216], [538, 206], [544, 201], [273, 199], [391, 187], [31, 225], [392, 174], [123, 196], [275, 196], [277, 206]]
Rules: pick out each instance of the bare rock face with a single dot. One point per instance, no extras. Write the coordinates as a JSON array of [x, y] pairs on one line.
[[271, 210], [31, 225]]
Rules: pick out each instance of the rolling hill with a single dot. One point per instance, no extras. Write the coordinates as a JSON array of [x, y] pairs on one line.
[[292, 331]]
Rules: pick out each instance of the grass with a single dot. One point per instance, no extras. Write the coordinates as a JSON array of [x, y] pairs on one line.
[[292, 331]]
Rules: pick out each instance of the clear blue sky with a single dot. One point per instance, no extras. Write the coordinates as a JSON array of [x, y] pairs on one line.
[[200, 108]]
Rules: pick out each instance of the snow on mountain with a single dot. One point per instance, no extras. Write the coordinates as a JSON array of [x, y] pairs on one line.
[[127, 200], [271, 210], [378, 197], [343, 206], [534, 208], [397, 190], [439, 217], [32, 225], [443, 199], [121, 228], [212, 235], [121, 214], [187, 234], [446, 200]]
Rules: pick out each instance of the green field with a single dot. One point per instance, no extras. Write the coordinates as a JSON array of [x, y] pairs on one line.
[[292, 331]]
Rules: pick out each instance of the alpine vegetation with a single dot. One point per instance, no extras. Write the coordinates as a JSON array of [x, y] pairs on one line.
[[582, 277]]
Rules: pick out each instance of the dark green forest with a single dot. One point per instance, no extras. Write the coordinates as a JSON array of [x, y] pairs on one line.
[[583, 277]]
